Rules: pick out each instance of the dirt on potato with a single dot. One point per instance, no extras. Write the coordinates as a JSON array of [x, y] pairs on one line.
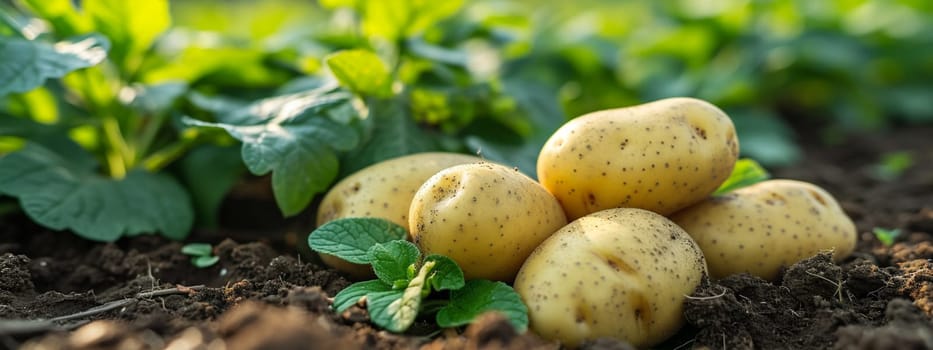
[[60, 292]]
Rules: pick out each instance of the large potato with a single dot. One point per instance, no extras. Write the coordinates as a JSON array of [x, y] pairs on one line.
[[486, 217], [620, 273], [382, 190], [766, 226], [661, 156]]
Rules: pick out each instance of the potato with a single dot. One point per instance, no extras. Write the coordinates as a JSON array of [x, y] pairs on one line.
[[766, 226], [382, 190], [661, 156], [486, 217], [621, 273]]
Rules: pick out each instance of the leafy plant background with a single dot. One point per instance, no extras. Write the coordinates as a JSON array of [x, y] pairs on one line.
[[191, 95]]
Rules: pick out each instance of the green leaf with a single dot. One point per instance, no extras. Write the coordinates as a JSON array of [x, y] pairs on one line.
[[352, 238], [377, 303], [397, 312], [352, 294], [391, 261], [204, 261], [62, 194], [291, 137], [886, 236], [25, 64], [210, 172], [446, 275], [745, 173], [131, 26], [361, 71], [197, 249], [394, 134], [157, 98], [393, 20], [479, 296]]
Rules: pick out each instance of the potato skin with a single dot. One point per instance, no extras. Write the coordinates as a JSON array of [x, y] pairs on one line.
[[486, 217], [382, 190], [620, 273], [661, 156], [766, 226]]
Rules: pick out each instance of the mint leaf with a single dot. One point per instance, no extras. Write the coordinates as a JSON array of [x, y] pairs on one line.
[[132, 26], [197, 249], [446, 275], [746, 172], [352, 238], [394, 134], [352, 294], [377, 303], [291, 137], [25, 64], [61, 194], [397, 312], [361, 71], [391, 261], [479, 296]]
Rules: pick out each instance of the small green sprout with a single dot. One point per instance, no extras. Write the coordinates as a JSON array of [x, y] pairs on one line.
[[202, 255], [892, 165], [746, 172], [886, 236], [406, 278]]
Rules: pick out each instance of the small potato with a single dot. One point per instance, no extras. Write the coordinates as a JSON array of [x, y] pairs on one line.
[[621, 273], [382, 190], [486, 217], [766, 226], [662, 156]]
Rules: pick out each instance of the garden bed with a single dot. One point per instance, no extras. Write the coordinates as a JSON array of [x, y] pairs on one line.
[[142, 292]]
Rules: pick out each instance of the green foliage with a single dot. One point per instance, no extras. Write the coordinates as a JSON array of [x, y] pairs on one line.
[[352, 238], [202, 255], [479, 296], [361, 71], [405, 280], [58, 189], [26, 64], [746, 172]]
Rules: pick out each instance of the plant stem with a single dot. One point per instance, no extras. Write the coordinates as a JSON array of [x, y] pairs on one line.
[[170, 153], [116, 147], [148, 133]]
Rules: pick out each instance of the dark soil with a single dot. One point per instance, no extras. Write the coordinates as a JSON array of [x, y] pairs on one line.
[[58, 291]]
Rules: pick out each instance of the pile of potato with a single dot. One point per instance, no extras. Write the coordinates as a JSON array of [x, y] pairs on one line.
[[635, 185]]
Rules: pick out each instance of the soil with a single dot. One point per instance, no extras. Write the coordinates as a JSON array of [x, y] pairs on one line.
[[58, 291]]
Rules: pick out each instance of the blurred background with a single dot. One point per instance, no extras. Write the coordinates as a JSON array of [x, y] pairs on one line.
[[786, 71]]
